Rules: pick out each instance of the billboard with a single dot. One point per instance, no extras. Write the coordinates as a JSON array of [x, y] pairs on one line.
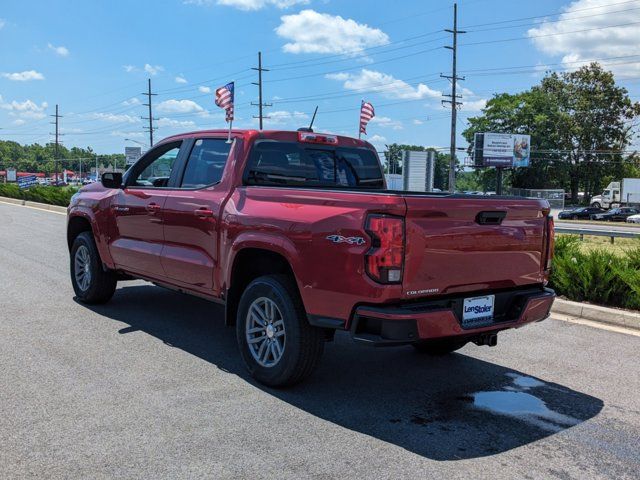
[[11, 174], [27, 181], [504, 150], [132, 154]]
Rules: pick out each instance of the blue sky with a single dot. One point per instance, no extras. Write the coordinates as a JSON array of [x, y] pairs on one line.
[[93, 58]]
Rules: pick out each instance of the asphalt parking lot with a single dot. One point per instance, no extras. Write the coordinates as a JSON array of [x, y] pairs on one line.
[[151, 386]]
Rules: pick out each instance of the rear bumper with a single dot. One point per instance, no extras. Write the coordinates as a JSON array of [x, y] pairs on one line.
[[397, 325]]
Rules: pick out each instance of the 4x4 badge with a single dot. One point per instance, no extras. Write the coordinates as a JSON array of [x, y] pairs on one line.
[[349, 240]]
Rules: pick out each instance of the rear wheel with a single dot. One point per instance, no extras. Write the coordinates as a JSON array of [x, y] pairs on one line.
[[276, 341], [438, 347], [91, 283]]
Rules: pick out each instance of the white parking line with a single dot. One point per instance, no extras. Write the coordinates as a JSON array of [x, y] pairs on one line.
[[33, 208], [591, 323]]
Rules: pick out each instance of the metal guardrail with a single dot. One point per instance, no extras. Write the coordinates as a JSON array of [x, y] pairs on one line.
[[582, 231]]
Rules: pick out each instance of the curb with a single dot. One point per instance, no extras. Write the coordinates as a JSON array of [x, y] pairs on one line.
[[595, 313], [28, 203]]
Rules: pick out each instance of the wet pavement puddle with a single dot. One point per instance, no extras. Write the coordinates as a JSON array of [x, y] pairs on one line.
[[515, 401]]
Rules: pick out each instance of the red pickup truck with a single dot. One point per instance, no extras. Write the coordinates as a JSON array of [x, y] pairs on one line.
[[296, 234]]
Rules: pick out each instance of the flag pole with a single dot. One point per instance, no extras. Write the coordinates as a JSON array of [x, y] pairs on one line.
[[359, 114], [234, 108]]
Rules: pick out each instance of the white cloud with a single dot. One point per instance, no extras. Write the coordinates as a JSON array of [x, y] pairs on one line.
[[115, 117], [153, 69], [417, 122], [596, 41], [473, 105], [132, 101], [2, 23], [249, 4], [203, 89], [24, 110], [61, 51], [120, 133], [384, 84], [181, 79], [168, 122], [280, 117], [147, 68], [387, 122], [313, 32], [377, 139], [470, 101], [179, 106], [25, 76]]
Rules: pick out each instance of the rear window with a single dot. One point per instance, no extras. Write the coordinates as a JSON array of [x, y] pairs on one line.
[[281, 163]]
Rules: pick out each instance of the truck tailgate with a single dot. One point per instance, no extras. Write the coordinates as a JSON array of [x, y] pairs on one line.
[[453, 247]]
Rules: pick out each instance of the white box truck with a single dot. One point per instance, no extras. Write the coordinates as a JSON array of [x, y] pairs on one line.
[[626, 192]]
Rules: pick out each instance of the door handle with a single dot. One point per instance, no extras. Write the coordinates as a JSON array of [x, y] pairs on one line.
[[153, 208], [203, 213]]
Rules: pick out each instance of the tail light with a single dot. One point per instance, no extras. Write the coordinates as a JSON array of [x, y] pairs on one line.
[[551, 238], [385, 259]]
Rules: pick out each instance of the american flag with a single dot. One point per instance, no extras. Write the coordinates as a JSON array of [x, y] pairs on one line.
[[366, 114], [224, 99]]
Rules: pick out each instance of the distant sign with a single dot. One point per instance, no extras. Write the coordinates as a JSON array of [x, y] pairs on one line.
[[11, 174], [502, 150], [27, 181], [132, 154]]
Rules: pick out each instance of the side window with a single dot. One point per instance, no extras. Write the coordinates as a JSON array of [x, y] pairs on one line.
[[206, 163], [156, 168]]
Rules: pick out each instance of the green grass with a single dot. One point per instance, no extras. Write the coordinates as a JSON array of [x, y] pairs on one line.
[[592, 242]]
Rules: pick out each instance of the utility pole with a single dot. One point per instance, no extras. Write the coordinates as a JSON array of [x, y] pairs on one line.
[[259, 84], [151, 128], [453, 97], [57, 144]]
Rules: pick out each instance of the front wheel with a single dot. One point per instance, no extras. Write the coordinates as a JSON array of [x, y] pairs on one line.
[[438, 347], [596, 205], [276, 341], [91, 283]]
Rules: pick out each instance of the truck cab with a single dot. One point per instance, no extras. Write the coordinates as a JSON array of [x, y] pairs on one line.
[[609, 198]]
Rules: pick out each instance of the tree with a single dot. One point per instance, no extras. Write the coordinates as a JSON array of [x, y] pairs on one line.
[[40, 158], [579, 124]]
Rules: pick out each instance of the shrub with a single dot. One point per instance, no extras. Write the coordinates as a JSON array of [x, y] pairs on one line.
[[597, 276], [43, 194]]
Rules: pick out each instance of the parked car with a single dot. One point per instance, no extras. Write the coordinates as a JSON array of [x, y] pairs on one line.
[[616, 214], [582, 213], [634, 219], [296, 234]]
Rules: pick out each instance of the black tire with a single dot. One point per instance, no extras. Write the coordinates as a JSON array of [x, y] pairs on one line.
[[574, 217], [102, 284], [303, 344], [438, 348], [595, 205]]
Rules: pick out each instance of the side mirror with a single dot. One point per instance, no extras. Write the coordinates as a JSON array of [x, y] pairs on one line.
[[111, 180]]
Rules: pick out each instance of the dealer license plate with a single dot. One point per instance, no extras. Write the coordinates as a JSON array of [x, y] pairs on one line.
[[477, 311]]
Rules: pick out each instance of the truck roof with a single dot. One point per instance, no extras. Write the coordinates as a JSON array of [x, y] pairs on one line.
[[284, 135]]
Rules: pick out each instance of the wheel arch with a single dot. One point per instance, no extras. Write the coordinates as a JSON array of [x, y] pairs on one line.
[[80, 221], [248, 264]]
